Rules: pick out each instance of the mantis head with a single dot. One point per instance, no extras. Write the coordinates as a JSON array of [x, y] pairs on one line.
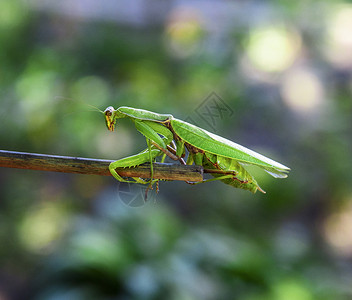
[[109, 118]]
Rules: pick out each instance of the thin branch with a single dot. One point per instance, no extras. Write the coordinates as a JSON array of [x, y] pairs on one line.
[[43, 162]]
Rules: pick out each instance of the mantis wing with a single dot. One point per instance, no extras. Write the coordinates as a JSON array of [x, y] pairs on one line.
[[212, 143]]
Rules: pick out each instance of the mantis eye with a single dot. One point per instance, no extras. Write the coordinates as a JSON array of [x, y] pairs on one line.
[[108, 111]]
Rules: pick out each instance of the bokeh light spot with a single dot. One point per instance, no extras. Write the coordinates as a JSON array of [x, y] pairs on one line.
[[272, 49], [339, 37], [183, 33], [41, 226], [302, 91], [338, 230]]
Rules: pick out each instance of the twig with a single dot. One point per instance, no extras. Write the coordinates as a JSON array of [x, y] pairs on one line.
[[43, 162]]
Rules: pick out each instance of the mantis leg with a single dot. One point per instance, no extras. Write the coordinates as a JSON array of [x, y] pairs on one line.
[[151, 170], [152, 181], [214, 179], [180, 148], [132, 161], [230, 171], [150, 160], [173, 149], [167, 151], [234, 181], [152, 131], [225, 170]]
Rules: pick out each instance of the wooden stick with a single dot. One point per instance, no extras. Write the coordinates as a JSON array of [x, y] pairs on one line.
[[43, 162]]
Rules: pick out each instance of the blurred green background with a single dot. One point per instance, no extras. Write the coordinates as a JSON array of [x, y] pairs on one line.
[[283, 70]]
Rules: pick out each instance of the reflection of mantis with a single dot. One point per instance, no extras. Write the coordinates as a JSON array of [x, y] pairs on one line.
[[166, 135]]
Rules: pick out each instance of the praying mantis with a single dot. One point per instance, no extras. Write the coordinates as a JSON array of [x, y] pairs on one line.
[[168, 136]]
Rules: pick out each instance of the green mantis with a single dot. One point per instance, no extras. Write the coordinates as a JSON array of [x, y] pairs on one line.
[[168, 136]]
